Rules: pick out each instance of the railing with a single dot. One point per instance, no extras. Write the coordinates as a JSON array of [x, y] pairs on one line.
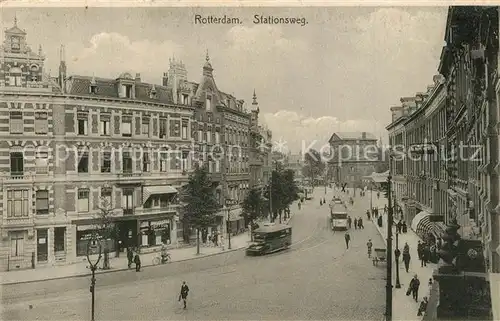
[[153, 210], [18, 175]]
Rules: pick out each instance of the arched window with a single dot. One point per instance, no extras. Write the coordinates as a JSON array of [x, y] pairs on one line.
[[15, 74], [34, 73]]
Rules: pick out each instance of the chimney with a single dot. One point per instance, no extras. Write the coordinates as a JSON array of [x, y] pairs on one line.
[[363, 135], [137, 77]]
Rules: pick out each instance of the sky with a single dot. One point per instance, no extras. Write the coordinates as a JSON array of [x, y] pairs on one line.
[[342, 71]]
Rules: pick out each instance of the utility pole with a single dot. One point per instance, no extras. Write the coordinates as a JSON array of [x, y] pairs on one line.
[[388, 289]]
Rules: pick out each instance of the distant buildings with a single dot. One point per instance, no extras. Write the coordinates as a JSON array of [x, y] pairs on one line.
[[354, 156], [70, 143]]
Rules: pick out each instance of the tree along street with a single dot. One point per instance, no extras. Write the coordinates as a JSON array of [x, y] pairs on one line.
[[316, 279]]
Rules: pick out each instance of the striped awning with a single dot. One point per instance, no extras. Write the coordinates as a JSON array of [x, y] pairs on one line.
[[423, 226], [148, 191]]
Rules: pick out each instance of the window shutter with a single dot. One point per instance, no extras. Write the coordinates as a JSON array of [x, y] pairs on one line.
[[69, 123]]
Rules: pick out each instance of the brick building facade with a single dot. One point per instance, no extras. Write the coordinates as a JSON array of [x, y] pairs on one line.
[[70, 144]]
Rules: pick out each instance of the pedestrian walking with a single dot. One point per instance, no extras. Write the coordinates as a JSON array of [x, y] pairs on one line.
[[349, 222], [347, 238], [137, 261], [426, 253], [406, 260], [423, 307], [419, 251], [413, 289], [184, 293], [355, 223], [130, 256], [385, 209], [368, 215], [360, 223], [369, 245], [399, 227]]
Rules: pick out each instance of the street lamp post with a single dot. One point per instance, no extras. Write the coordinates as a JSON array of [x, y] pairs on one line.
[[397, 252], [388, 289], [93, 247], [371, 198]]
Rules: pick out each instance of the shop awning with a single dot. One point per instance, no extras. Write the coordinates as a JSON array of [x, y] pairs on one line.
[[423, 226], [235, 214], [148, 191]]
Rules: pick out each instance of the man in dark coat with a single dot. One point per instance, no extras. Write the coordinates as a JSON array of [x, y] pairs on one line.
[[406, 260], [355, 223], [130, 257], [347, 238], [137, 261], [399, 226], [360, 223], [184, 293], [414, 285]]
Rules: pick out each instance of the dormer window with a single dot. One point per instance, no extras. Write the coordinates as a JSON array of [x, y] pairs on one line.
[[15, 75], [152, 93], [127, 91], [185, 99], [93, 88], [15, 44], [208, 103]]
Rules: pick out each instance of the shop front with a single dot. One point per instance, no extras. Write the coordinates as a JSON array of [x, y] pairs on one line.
[[236, 221], [155, 232], [84, 234]]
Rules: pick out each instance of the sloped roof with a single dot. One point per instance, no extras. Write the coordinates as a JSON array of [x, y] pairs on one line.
[[79, 85], [15, 30], [354, 136]]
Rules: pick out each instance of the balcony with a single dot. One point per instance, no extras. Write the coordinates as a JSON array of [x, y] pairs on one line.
[[18, 222], [17, 177], [171, 208]]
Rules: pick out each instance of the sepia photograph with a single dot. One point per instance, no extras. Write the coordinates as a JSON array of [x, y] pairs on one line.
[[249, 163]]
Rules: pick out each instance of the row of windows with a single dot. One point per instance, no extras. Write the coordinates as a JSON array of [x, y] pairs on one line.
[[18, 203], [181, 162], [16, 122], [126, 127]]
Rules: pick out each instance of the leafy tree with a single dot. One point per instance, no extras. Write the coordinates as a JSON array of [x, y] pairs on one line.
[[313, 165], [283, 192], [106, 228], [200, 204], [254, 206]]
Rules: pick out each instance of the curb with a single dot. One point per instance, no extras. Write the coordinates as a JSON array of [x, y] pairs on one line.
[[126, 269], [121, 269], [380, 232]]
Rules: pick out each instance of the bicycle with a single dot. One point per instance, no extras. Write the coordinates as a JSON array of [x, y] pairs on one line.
[[159, 259]]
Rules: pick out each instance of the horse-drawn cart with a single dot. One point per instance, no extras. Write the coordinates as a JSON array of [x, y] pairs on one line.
[[380, 255]]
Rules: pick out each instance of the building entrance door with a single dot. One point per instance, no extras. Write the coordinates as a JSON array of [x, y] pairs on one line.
[[128, 233], [42, 247]]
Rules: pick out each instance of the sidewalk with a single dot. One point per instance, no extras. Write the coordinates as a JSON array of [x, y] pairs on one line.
[[404, 307], [79, 269]]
